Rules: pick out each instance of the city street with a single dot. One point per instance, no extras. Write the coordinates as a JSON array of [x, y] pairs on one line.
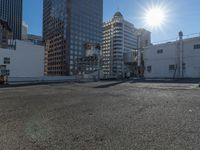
[[100, 116]]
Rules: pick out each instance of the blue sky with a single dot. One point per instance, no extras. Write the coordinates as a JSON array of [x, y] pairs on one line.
[[181, 15]]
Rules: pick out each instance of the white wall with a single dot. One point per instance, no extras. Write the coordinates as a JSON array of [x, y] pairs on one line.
[[24, 31], [191, 58], [160, 62], [26, 61]]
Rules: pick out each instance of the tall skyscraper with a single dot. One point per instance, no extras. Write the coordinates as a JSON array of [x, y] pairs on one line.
[[67, 26], [11, 11], [120, 38]]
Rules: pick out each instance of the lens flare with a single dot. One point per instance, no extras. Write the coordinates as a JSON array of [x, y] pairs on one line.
[[155, 17]]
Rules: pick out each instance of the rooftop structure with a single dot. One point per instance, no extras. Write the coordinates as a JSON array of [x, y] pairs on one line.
[[177, 59]]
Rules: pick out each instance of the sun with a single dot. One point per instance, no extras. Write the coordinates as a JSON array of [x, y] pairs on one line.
[[155, 17]]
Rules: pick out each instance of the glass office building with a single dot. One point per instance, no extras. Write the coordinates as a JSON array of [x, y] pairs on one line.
[[67, 26], [11, 12]]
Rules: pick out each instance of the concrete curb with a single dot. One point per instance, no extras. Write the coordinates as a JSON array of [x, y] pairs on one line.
[[33, 84]]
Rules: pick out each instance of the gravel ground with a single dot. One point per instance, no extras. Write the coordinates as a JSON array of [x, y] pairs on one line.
[[100, 116]]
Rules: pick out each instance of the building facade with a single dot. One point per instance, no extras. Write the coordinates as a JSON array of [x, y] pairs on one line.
[[11, 12], [178, 59], [5, 34], [17, 61], [24, 35], [67, 26], [89, 64], [37, 40], [120, 37]]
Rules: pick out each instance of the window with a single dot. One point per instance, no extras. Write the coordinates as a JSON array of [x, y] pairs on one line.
[[149, 68], [146, 42], [184, 66], [5, 72], [160, 51], [171, 67], [197, 46], [6, 60]]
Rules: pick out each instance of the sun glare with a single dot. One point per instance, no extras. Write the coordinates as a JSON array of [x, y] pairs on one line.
[[155, 17]]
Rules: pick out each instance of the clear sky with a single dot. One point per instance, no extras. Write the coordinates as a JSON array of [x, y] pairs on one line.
[[181, 15]]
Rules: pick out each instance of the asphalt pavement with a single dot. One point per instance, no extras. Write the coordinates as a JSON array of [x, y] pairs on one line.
[[100, 116]]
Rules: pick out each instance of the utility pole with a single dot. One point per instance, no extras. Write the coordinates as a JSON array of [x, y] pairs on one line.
[[181, 54], [139, 52]]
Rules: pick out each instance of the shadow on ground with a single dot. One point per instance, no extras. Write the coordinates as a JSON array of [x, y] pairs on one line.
[[175, 81], [110, 84], [160, 81]]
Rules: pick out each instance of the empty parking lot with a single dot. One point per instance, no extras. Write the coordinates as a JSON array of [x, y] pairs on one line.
[[100, 116]]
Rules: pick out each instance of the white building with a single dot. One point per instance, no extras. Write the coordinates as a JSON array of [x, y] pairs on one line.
[[119, 38], [37, 40], [24, 31], [179, 59], [24, 60]]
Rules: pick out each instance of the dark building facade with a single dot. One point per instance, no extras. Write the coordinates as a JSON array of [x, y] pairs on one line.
[[67, 26], [5, 34], [11, 12]]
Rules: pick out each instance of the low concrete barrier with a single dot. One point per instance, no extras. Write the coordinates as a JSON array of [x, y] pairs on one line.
[[44, 79]]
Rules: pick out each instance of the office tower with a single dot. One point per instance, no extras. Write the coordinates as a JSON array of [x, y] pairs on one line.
[[5, 34], [67, 26], [119, 36], [120, 39], [11, 11]]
